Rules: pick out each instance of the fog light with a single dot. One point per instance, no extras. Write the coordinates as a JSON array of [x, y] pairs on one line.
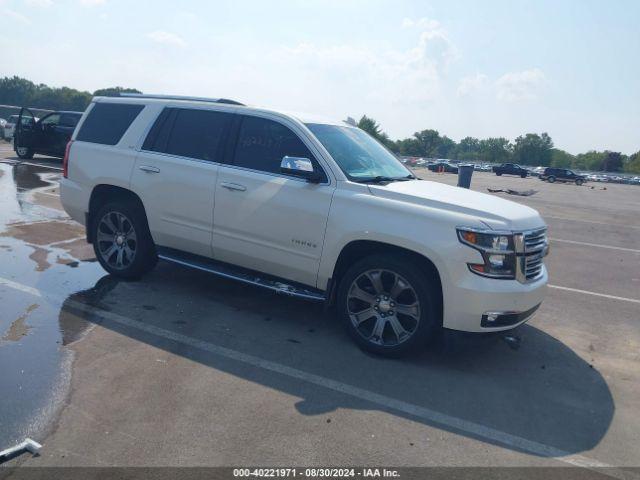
[[496, 261]]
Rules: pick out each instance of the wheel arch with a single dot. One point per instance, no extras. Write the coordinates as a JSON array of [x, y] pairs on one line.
[[104, 193], [358, 249]]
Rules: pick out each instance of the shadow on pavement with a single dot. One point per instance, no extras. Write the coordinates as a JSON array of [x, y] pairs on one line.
[[542, 391]]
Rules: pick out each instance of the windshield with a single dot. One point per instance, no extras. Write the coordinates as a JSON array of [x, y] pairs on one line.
[[358, 155]]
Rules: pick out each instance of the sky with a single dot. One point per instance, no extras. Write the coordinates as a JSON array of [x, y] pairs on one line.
[[487, 68]]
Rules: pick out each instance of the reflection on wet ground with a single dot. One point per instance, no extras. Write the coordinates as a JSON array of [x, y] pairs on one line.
[[34, 363]]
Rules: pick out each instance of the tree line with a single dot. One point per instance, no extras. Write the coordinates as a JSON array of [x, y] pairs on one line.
[[529, 149], [22, 92]]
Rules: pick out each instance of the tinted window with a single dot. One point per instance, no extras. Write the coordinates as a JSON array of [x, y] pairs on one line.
[[159, 134], [69, 120], [107, 122], [198, 134], [262, 143], [52, 119]]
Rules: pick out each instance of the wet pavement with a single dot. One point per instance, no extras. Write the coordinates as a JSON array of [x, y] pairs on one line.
[[182, 368], [38, 246]]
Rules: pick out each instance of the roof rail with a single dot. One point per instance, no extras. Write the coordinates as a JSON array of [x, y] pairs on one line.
[[181, 97]]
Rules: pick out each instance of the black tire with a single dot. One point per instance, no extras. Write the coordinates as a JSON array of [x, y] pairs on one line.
[[551, 179], [523, 175], [421, 286], [24, 153], [144, 257], [498, 174], [579, 182]]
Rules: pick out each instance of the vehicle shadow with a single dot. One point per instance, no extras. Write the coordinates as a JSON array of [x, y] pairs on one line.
[[540, 391]]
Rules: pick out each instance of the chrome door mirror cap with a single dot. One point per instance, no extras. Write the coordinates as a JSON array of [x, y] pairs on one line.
[[299, 167]]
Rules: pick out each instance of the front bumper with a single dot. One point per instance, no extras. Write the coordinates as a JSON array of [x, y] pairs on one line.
[[468, 304]]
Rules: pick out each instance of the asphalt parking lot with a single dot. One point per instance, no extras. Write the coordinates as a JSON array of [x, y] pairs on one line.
[[183, 368]]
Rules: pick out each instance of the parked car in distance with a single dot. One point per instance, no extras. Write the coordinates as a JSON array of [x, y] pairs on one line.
[[48, 135], [552, 175], [9, 127], [304, 207], [445, 167], [510, 169]]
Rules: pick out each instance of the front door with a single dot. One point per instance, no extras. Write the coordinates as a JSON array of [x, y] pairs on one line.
[[24, 135], [264, 220], [175, 176]]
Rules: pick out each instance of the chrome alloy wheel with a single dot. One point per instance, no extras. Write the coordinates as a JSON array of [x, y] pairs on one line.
[[383, 307], [117, 241]]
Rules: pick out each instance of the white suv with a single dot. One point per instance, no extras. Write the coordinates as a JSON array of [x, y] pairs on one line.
[[302, 206]]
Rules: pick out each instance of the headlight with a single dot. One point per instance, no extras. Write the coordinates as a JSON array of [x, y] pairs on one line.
[[497, 250]]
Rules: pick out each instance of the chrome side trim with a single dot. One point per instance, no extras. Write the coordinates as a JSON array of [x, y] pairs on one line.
[[277, 287]]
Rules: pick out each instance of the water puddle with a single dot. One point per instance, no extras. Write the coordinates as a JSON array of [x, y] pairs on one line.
[[40, 247]]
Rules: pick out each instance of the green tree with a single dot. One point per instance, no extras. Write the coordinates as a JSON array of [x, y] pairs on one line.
[[114, 91], [409, 147], [495, 150], [561, 159], [429, 140], [446, 148], [372, 127], [592, 160], [612, 162], [468, 149], [632, 165], [533, 149]]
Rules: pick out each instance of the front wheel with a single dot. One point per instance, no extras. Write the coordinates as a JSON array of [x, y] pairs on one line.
[[121, 240], [523, 175], [388, 305], [498, 174], [24, 153], [579, 182]]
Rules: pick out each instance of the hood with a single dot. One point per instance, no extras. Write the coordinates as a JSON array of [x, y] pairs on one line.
[[496, 212]]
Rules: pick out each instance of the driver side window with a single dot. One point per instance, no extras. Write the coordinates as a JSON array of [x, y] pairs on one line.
[[53, 119]]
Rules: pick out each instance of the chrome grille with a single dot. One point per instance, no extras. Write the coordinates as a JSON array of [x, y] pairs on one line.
[[535, 248]]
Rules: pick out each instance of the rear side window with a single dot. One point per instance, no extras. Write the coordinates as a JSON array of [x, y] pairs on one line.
[[262, 143], [189, 133], [107, 122]]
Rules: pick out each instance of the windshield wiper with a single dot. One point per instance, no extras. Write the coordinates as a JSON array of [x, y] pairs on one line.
[[383, 179]]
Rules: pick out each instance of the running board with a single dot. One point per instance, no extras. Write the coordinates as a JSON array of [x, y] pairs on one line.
[[243, 275]]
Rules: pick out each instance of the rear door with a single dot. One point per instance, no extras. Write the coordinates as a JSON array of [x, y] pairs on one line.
[[63, 132], [45, 134], [265, 220], [175, 175]]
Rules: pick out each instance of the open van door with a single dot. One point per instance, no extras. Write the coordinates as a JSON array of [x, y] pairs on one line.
[[24, 135]]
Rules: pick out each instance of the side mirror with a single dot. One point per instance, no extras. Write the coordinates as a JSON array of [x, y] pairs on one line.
[[299, 167]]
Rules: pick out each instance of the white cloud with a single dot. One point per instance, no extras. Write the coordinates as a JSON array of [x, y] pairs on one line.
[[39, 3], [16, 16], [167, 38], [472, 84], [92, 3], [424, 23], [516, 86]]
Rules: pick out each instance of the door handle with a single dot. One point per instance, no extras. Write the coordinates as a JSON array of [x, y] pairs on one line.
[[149, 169], [233, 186]]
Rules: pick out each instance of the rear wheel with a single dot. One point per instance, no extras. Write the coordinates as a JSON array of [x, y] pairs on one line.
[[551, 179], [121, 240], [388, 305]]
